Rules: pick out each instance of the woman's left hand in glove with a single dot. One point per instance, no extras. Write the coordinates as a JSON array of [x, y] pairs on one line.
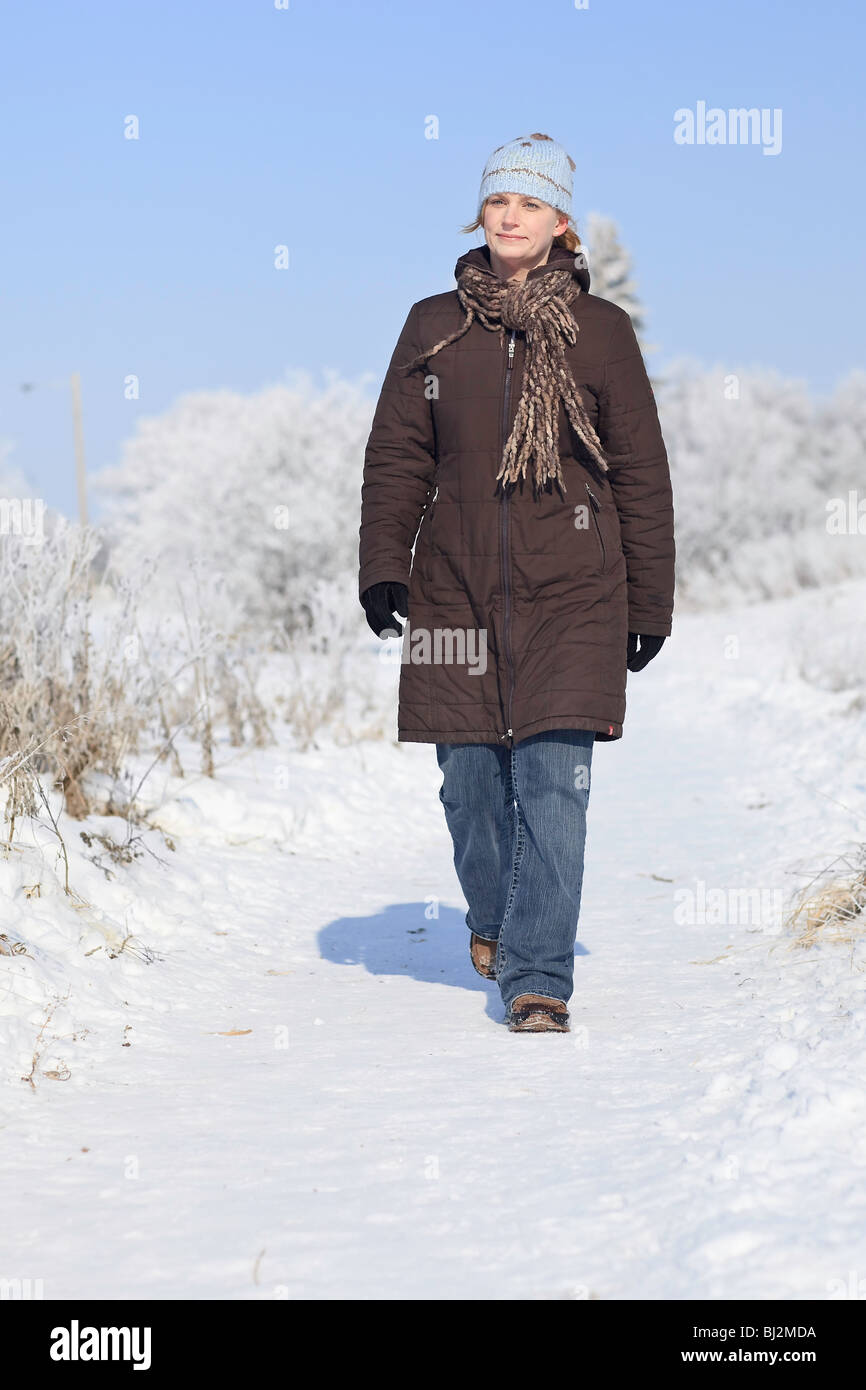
[[649, 647]]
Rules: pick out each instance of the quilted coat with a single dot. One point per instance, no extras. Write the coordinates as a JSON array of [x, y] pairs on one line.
[[526, 602]]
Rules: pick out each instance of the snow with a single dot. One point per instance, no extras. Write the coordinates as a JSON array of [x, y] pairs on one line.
[[290, 1083]]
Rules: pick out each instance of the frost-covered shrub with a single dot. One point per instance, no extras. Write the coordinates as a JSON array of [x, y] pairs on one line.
[[68, 701], [827, 642], [91, 672], [754, 464], [341, 679]]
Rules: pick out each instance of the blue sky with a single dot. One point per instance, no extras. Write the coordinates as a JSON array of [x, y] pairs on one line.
[[305, 126]]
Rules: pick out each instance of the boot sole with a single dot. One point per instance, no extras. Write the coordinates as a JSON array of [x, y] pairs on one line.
[[539, 1023]]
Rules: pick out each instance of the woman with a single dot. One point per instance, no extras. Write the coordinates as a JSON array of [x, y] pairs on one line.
[[517, 426]]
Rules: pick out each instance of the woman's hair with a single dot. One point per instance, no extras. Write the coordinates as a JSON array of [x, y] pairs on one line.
[[567, 239]]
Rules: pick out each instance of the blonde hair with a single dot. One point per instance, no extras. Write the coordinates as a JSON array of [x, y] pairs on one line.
[[568, 239]]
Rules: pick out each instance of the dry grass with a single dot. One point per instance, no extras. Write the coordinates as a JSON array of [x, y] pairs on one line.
[[69, 703], [37, 1049], [832, 906]]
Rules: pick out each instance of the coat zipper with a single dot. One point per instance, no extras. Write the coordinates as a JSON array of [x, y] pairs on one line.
[[505, 546], [596, 508]]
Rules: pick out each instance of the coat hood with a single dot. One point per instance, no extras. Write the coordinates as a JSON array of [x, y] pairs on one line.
[[559, 259]]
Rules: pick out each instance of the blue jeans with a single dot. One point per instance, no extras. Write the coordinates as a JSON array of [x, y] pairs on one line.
[[517, 818]]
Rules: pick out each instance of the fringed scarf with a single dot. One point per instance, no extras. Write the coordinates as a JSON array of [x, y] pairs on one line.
[[540, 309]]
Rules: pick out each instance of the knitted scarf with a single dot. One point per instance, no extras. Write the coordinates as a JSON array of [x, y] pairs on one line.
[[540, 309]]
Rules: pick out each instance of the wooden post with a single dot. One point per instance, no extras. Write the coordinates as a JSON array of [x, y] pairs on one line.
[[80, 468]]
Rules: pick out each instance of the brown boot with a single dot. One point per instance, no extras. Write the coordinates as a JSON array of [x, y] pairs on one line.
[[534, 1013], [483, 955]]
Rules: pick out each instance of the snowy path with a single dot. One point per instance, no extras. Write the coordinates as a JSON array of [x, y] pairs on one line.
[[379, 1134]]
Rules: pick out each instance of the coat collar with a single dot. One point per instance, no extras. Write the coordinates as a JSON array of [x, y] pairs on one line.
[[559, 259]]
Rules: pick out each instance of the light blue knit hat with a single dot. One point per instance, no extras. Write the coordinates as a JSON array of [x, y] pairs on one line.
[[532, 164]]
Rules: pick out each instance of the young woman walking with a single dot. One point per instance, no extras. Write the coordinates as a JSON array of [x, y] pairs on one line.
[[517, 427]]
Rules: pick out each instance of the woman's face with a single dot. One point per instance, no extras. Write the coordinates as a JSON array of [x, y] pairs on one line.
[[520, 228]]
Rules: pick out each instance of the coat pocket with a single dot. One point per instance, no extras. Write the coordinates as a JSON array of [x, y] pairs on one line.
[[431, 521], [595, 508]]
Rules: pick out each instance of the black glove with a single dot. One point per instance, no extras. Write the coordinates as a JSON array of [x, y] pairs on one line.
[[380, 602], [649, 647]]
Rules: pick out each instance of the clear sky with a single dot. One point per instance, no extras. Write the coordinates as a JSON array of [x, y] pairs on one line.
[[305, 126]]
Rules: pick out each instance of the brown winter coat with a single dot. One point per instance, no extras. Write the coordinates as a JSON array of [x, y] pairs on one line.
[[554, 584]]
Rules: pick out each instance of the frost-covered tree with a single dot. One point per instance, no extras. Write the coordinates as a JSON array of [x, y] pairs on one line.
[[611, 272], [840, 443], [263, 489]]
